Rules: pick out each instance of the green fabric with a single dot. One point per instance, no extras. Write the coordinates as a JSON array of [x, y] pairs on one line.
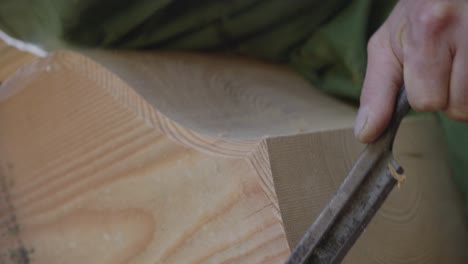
[[323, 40], [456, 134]]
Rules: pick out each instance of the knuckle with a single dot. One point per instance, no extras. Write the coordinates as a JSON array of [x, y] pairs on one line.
[[375, 42], [433, 15]]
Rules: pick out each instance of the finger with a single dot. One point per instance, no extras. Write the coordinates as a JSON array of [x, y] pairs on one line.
[[427, 79], [381, 84], [428, 59], [458, 97]]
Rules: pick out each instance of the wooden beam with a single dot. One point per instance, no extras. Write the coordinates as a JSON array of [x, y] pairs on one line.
[[126, 157]]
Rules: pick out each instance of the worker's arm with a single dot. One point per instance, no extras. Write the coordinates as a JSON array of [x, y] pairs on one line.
[[424, 43]]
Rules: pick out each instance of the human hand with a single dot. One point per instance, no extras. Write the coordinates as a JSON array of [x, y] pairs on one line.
[[424, 43]]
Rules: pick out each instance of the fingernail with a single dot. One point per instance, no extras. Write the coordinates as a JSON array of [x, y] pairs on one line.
[[361, 122]]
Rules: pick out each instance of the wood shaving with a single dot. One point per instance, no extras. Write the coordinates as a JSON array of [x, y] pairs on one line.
[[401, 178]]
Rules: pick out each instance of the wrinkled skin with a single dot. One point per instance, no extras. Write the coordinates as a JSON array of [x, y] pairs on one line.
[[424, 43]]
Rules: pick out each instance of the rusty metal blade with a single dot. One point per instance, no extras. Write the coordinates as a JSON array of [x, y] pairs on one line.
[[355, 202]]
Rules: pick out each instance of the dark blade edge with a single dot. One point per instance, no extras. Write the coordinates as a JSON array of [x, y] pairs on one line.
[[377, 154], [352, 222], [337, 205], [386, 190]]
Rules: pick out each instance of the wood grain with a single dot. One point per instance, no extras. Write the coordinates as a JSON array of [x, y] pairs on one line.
[[95, 183], [126, 157], [12, 59]]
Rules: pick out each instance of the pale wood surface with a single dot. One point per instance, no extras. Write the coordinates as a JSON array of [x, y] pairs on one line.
[[227, 97], [169, 158], [11, 59], [89, 181]]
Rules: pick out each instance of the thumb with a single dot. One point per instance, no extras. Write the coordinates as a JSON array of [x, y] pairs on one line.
[[384, 76]]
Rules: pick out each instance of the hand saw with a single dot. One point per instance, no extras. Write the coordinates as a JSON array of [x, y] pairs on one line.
[[356, 201]]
